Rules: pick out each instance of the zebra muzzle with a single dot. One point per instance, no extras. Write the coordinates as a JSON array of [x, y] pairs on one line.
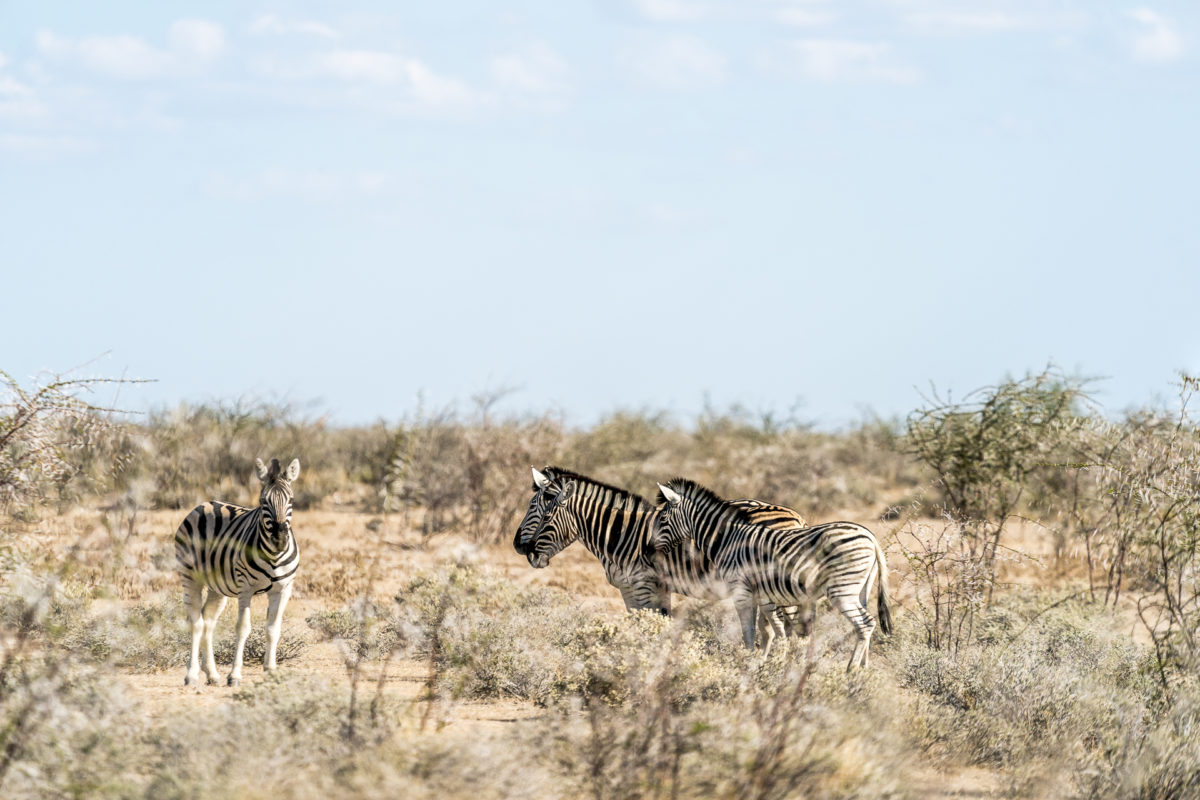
[[538, 560]]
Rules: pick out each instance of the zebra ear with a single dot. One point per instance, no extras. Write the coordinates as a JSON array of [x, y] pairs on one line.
[[670, 495], [566, 492], [293, 470], [260, 469], [539, 479]]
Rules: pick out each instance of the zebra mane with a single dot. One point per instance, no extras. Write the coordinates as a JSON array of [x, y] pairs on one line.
[[705, 496], [555, 473]]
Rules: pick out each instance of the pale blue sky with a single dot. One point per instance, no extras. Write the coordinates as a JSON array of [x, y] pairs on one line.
[[615, 203]]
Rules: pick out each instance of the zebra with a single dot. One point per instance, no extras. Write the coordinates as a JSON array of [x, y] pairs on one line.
[[766, 567], [224, 551], [615, 525]]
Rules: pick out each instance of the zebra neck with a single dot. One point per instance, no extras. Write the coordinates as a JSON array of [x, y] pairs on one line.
[[715, 526], [266, 548], [618, 526]]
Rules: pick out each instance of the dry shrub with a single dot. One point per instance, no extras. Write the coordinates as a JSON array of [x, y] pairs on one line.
[[494, 638], [777, 739], [467, 473], [1159, 760], [745, 454], [68, 730], [951, 579], [52, 441], [1055, 683], [206, 452], [371, 629], [642, 705]]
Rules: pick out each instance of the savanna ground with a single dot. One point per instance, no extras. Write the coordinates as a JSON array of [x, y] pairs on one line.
[[1042, 580]]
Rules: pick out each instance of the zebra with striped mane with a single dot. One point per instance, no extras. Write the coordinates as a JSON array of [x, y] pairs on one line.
[[615, 525], [224, 551], [765, 568]]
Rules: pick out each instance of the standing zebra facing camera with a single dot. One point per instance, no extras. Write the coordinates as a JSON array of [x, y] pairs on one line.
[[224, 551]]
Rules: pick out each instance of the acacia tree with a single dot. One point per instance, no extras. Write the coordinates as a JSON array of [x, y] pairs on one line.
[[986, 448]]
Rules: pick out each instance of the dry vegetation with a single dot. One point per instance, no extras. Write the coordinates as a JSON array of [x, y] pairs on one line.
[[1043, 557]]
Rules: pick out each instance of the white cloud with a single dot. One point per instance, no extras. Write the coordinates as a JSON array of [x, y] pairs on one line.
[[803, 17], [677, 62], [832, 60], [536, 70], [372, 66], [269, 23], [129, 57], [385, 69], [1158, 40], [435, 90], [11, 87], [204, 40], [122, 56], [670, 10], [967, 21], [18, 100]]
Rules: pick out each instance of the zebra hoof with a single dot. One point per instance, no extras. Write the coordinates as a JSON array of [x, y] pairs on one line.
[[190, 681], [234, 681]]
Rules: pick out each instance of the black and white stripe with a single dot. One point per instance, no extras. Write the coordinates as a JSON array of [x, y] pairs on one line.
[[225, 551], [616, 525], [764, 567]]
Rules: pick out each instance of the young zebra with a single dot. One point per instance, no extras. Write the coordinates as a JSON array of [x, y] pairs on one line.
[[227, 551], [765, 567], [615, 526]]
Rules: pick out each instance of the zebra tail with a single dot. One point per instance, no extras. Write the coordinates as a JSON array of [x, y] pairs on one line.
[[885, 613]]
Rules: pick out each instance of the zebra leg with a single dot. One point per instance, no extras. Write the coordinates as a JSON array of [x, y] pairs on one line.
[[664, 601], [213, 606], [277, 600], [763, 631], [773, 619], [243, 630], [194, 592], [864, 625], [747, 611], [797, 620]]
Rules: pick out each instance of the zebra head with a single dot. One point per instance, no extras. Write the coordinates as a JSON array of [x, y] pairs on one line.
[[276, 501], [672, 524], [544, 531]]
